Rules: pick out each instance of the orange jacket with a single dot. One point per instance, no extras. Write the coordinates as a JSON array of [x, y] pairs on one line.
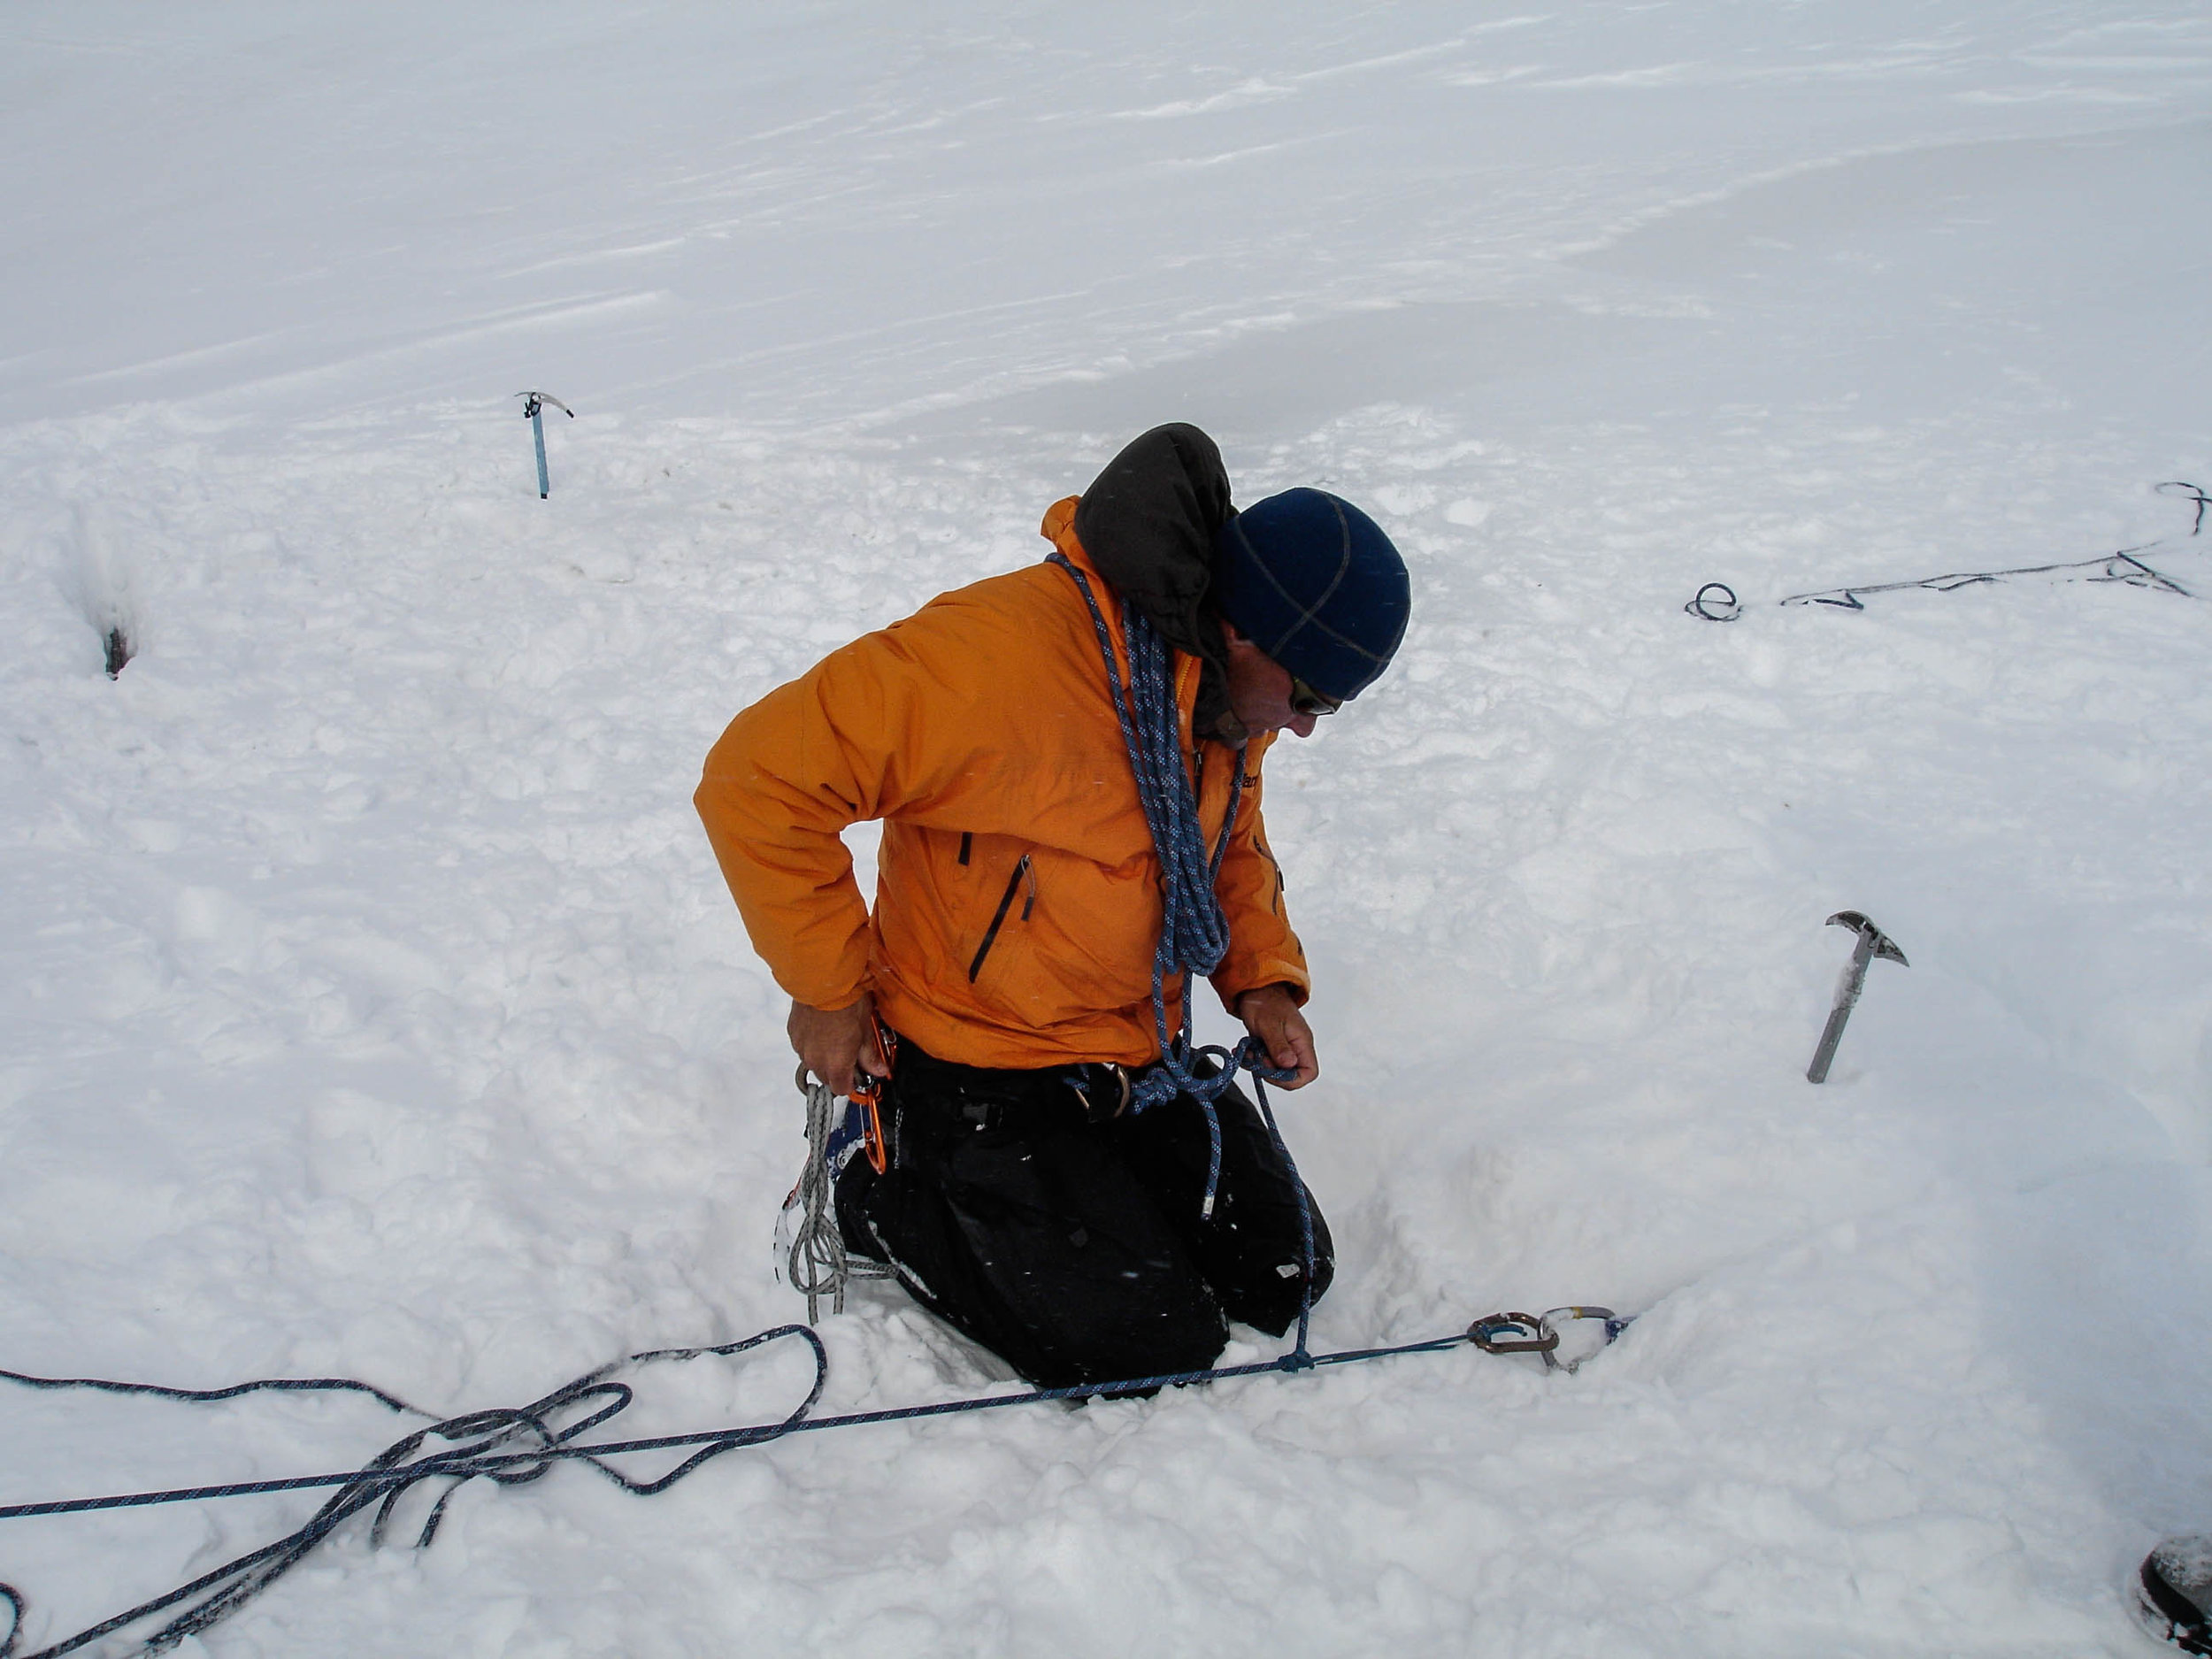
[[1017, 900]]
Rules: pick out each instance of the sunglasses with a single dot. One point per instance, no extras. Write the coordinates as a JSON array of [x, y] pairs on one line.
[[1305, 699]]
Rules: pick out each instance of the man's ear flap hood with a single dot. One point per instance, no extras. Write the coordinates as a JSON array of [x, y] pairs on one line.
[[1149, 523]]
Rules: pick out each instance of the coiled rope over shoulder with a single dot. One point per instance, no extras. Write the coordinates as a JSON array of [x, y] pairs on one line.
[[1194, 931]]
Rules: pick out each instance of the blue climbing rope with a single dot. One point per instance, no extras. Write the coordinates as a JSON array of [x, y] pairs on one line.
[[514, 1446], [1194, 930]]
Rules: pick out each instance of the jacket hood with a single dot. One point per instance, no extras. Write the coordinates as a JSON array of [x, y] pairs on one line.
[[1149, 523]]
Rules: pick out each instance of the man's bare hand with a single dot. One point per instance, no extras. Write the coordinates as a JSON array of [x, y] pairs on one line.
[[1270, 1014], [830, 1041]]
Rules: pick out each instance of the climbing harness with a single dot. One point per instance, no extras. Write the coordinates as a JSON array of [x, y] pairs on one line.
[[513, 1446], [534, 412]]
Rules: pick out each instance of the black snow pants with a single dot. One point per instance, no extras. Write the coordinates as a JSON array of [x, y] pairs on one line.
[[1075, 1248]]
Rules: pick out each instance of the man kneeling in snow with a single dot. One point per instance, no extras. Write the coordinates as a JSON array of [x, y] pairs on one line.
[[1049, 1186]]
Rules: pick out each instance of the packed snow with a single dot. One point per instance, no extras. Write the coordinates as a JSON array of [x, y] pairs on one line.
[[373, 1007]]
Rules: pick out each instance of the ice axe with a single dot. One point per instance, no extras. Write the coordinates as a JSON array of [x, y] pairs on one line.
[[1872, 942], [534, 412]]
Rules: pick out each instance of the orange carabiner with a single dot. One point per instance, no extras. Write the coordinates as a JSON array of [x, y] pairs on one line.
[[868, 1095]]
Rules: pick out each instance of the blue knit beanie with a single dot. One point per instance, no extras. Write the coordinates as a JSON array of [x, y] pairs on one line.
[[1314, 582]]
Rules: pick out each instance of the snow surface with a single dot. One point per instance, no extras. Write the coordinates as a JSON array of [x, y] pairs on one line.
[[372, 1006]]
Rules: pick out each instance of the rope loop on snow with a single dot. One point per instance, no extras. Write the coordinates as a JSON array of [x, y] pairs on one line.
[[510, 1446], [1726, 607], [2119, 566]]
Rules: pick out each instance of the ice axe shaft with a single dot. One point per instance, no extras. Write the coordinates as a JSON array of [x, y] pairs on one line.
[[1872, 942]]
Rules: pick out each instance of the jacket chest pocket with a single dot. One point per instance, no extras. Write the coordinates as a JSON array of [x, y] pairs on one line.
[[1021, 883]]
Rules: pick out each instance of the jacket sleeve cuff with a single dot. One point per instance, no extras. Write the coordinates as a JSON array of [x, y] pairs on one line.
[[1231, 983]]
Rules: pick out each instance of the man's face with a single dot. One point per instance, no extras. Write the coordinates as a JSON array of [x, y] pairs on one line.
[[1259, 690]]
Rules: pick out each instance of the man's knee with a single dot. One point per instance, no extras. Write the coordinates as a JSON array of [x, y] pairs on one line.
[[1042, 1250], [1167, 1327], [1266, 1290]]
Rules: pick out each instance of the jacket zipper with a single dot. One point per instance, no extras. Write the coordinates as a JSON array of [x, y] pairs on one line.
[[990, 934]]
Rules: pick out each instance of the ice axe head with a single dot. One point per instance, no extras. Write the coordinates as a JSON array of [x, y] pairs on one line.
[[1877, 943]]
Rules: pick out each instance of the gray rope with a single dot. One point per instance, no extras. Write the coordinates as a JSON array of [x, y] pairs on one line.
[[817, 1263]]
